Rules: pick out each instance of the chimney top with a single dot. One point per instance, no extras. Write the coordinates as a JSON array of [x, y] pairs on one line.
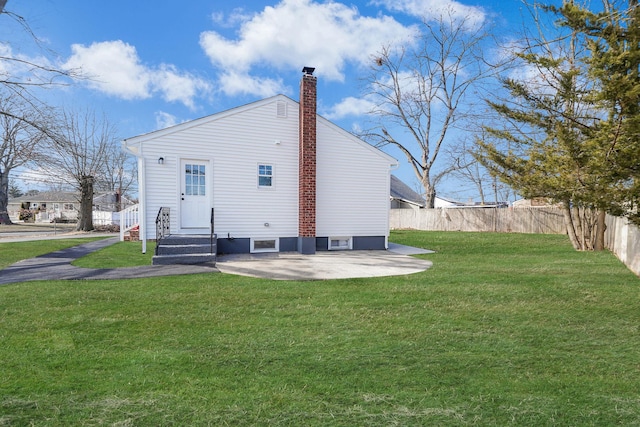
[[308, 71]]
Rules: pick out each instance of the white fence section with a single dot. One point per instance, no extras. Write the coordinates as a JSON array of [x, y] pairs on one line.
[[129, 218], [106, 218]]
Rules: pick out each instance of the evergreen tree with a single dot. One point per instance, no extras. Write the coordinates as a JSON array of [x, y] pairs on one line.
[[571, 135], [614, 65]]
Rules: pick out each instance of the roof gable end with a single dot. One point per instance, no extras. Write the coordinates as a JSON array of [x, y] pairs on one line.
[[135, 140]]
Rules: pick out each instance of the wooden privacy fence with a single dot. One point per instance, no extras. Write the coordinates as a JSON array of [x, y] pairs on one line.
[[621, 237], [502, 220]]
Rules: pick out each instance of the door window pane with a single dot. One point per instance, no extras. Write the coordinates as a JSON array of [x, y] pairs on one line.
[[194, 180]]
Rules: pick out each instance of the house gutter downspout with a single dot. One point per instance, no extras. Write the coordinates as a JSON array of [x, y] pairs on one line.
[[142, 194], [392, 167]]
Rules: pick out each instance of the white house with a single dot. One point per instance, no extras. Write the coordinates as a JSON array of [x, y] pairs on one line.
[[277, 176]]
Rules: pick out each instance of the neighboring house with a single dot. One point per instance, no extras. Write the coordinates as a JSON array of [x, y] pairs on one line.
[[538, 202], [111, 202], [278, 177], [403, 197], [45, 206], [441, 202]]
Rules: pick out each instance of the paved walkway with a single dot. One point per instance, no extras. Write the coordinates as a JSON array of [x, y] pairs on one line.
[[278, 266], [57, 265]]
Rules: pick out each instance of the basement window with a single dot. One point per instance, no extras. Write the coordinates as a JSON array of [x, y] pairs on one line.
[[265, 245], [340, 243]]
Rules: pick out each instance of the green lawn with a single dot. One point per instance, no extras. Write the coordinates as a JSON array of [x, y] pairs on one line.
[[505, 329]]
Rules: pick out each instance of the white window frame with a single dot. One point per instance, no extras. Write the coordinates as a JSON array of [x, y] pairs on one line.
[[272, 176], [276, 247], [348, 246]]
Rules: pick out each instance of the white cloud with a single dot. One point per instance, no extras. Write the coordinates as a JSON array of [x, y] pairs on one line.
[[297, 33], [113, 67], [165, 120], [236, 17], [434, 9], [6, 66], [234, 83], [21, 68], [349, 107]]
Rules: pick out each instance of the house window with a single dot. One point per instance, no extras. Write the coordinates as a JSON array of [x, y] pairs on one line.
[[68, 206], [264, 245], [339, 243], [195, 180], [265, 175]]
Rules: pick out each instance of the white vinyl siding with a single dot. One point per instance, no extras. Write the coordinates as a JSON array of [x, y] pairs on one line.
[[234, 149], [352, 176], [353, 181]]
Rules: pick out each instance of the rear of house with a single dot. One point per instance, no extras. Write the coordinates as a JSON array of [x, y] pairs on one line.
[[272, 182]]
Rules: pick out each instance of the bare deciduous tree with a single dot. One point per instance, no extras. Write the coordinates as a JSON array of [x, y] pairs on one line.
[[19, 75], [80, 148], [19, 144], [119, 174], [423, 91]]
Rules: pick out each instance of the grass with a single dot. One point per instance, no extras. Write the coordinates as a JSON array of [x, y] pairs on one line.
[[121, 254], [505, 329]]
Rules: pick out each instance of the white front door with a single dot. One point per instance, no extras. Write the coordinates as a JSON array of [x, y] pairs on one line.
[[194, 194]]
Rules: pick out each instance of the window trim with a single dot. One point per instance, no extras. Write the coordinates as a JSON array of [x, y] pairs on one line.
[[272, 175], [276, 247], [348, 247]]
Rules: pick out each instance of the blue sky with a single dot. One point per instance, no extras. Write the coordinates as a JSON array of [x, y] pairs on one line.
[[154, 64]]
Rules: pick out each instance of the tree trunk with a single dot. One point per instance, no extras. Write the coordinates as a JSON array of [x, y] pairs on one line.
[[571, 230], [4, 197], [429, 194], [85, 219], [601, 227]]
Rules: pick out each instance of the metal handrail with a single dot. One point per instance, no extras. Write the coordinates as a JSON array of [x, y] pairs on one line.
[[212, 234], [163, 220]]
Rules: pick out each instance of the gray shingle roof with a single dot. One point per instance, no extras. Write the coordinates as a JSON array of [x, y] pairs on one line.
[[401, 191]]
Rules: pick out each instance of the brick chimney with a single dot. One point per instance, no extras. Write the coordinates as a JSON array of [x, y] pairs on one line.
[[307, 164]]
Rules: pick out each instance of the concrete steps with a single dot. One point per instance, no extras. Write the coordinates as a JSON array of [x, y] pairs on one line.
[[185, 249]]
